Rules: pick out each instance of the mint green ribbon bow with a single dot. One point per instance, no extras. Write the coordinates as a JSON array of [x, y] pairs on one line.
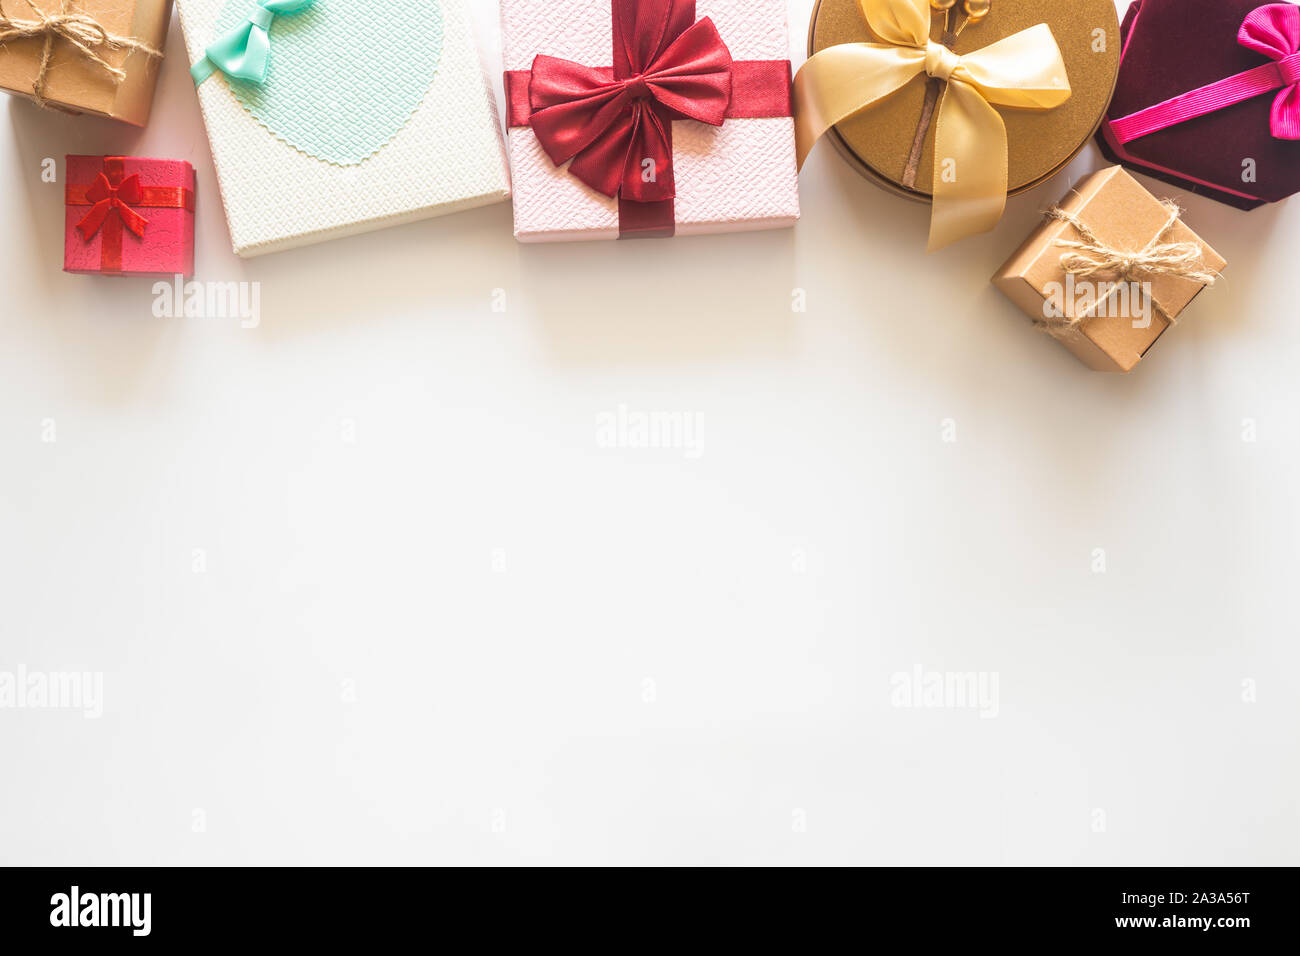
[[245, 52]]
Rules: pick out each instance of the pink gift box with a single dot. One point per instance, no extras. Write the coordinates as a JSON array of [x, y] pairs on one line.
[[737, 176], [128, 216]]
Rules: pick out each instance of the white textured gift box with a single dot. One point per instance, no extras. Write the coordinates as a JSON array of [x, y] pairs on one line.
[[736, 177], [446, 157]]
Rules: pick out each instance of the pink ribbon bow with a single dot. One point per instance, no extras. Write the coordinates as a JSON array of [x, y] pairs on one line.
[[1273, 30]]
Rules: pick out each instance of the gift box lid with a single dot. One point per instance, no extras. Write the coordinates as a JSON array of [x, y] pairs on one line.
[[1172, 47], [1123, 215], [878, 141], [370, 114], [82, 170]]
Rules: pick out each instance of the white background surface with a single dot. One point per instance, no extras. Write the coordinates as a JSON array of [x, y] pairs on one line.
[[563, 652]]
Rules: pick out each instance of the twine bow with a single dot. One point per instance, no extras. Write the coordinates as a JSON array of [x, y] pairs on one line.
[[86, 35], [1024, 70], [1090, 256]]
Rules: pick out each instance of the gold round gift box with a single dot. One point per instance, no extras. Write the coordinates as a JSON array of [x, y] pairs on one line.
[[877, 141]]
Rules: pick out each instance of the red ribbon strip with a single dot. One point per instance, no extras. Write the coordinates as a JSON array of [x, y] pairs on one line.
[[615, 123], [111, 198]]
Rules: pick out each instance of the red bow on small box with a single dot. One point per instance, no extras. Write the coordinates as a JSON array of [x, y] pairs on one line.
[[112, 199], [615, 123], [108, 198]]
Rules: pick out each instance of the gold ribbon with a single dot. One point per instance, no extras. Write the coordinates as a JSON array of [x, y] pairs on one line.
[[83, 31], [1024, 70]]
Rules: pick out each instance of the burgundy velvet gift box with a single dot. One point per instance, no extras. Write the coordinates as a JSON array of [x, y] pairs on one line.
[[1173, 48], [128, 216]]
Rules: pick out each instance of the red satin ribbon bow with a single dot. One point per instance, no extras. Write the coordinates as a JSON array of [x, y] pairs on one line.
[[616, 125], [616, 122], [108, 198]]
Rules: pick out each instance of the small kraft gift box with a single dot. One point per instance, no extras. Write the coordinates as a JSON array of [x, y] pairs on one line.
[[329, 118], [1209, 98], [648, 118], [958, 103], [1109, 271], [126, 215], [84, 56]]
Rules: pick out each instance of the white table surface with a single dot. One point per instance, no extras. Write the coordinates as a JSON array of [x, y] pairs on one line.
[[365, 583]]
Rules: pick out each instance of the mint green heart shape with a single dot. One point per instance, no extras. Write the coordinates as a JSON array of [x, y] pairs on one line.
[[345, 75]]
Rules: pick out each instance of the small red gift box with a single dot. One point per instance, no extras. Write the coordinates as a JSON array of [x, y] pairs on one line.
[[1209, 98], [129, 216]]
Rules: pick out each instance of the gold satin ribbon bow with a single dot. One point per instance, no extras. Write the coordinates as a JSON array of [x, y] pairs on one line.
[[970, 169]]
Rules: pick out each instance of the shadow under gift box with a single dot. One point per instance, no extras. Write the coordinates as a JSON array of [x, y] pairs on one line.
[[152, 236], [74, 82], [1172, 47], [1102, 330]]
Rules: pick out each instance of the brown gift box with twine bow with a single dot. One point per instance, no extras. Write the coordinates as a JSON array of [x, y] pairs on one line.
[[84, 56], [1109, 271]]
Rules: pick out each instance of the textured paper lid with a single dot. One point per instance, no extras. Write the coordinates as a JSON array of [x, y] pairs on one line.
[[443, 156], [877, 141]]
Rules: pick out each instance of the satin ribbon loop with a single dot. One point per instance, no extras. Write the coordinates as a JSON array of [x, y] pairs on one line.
[[261, 17], [107, 199], [617, 130], [1025, 70], [244, 52]]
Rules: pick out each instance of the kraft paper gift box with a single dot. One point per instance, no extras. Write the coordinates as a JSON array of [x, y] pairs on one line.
[[648, 117], [128, 216], [342, 116], [1209, 98], [1109, 320], [114, 76]]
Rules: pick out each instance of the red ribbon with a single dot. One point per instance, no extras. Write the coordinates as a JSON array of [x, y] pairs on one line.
[[615, 123], [111, 198]]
